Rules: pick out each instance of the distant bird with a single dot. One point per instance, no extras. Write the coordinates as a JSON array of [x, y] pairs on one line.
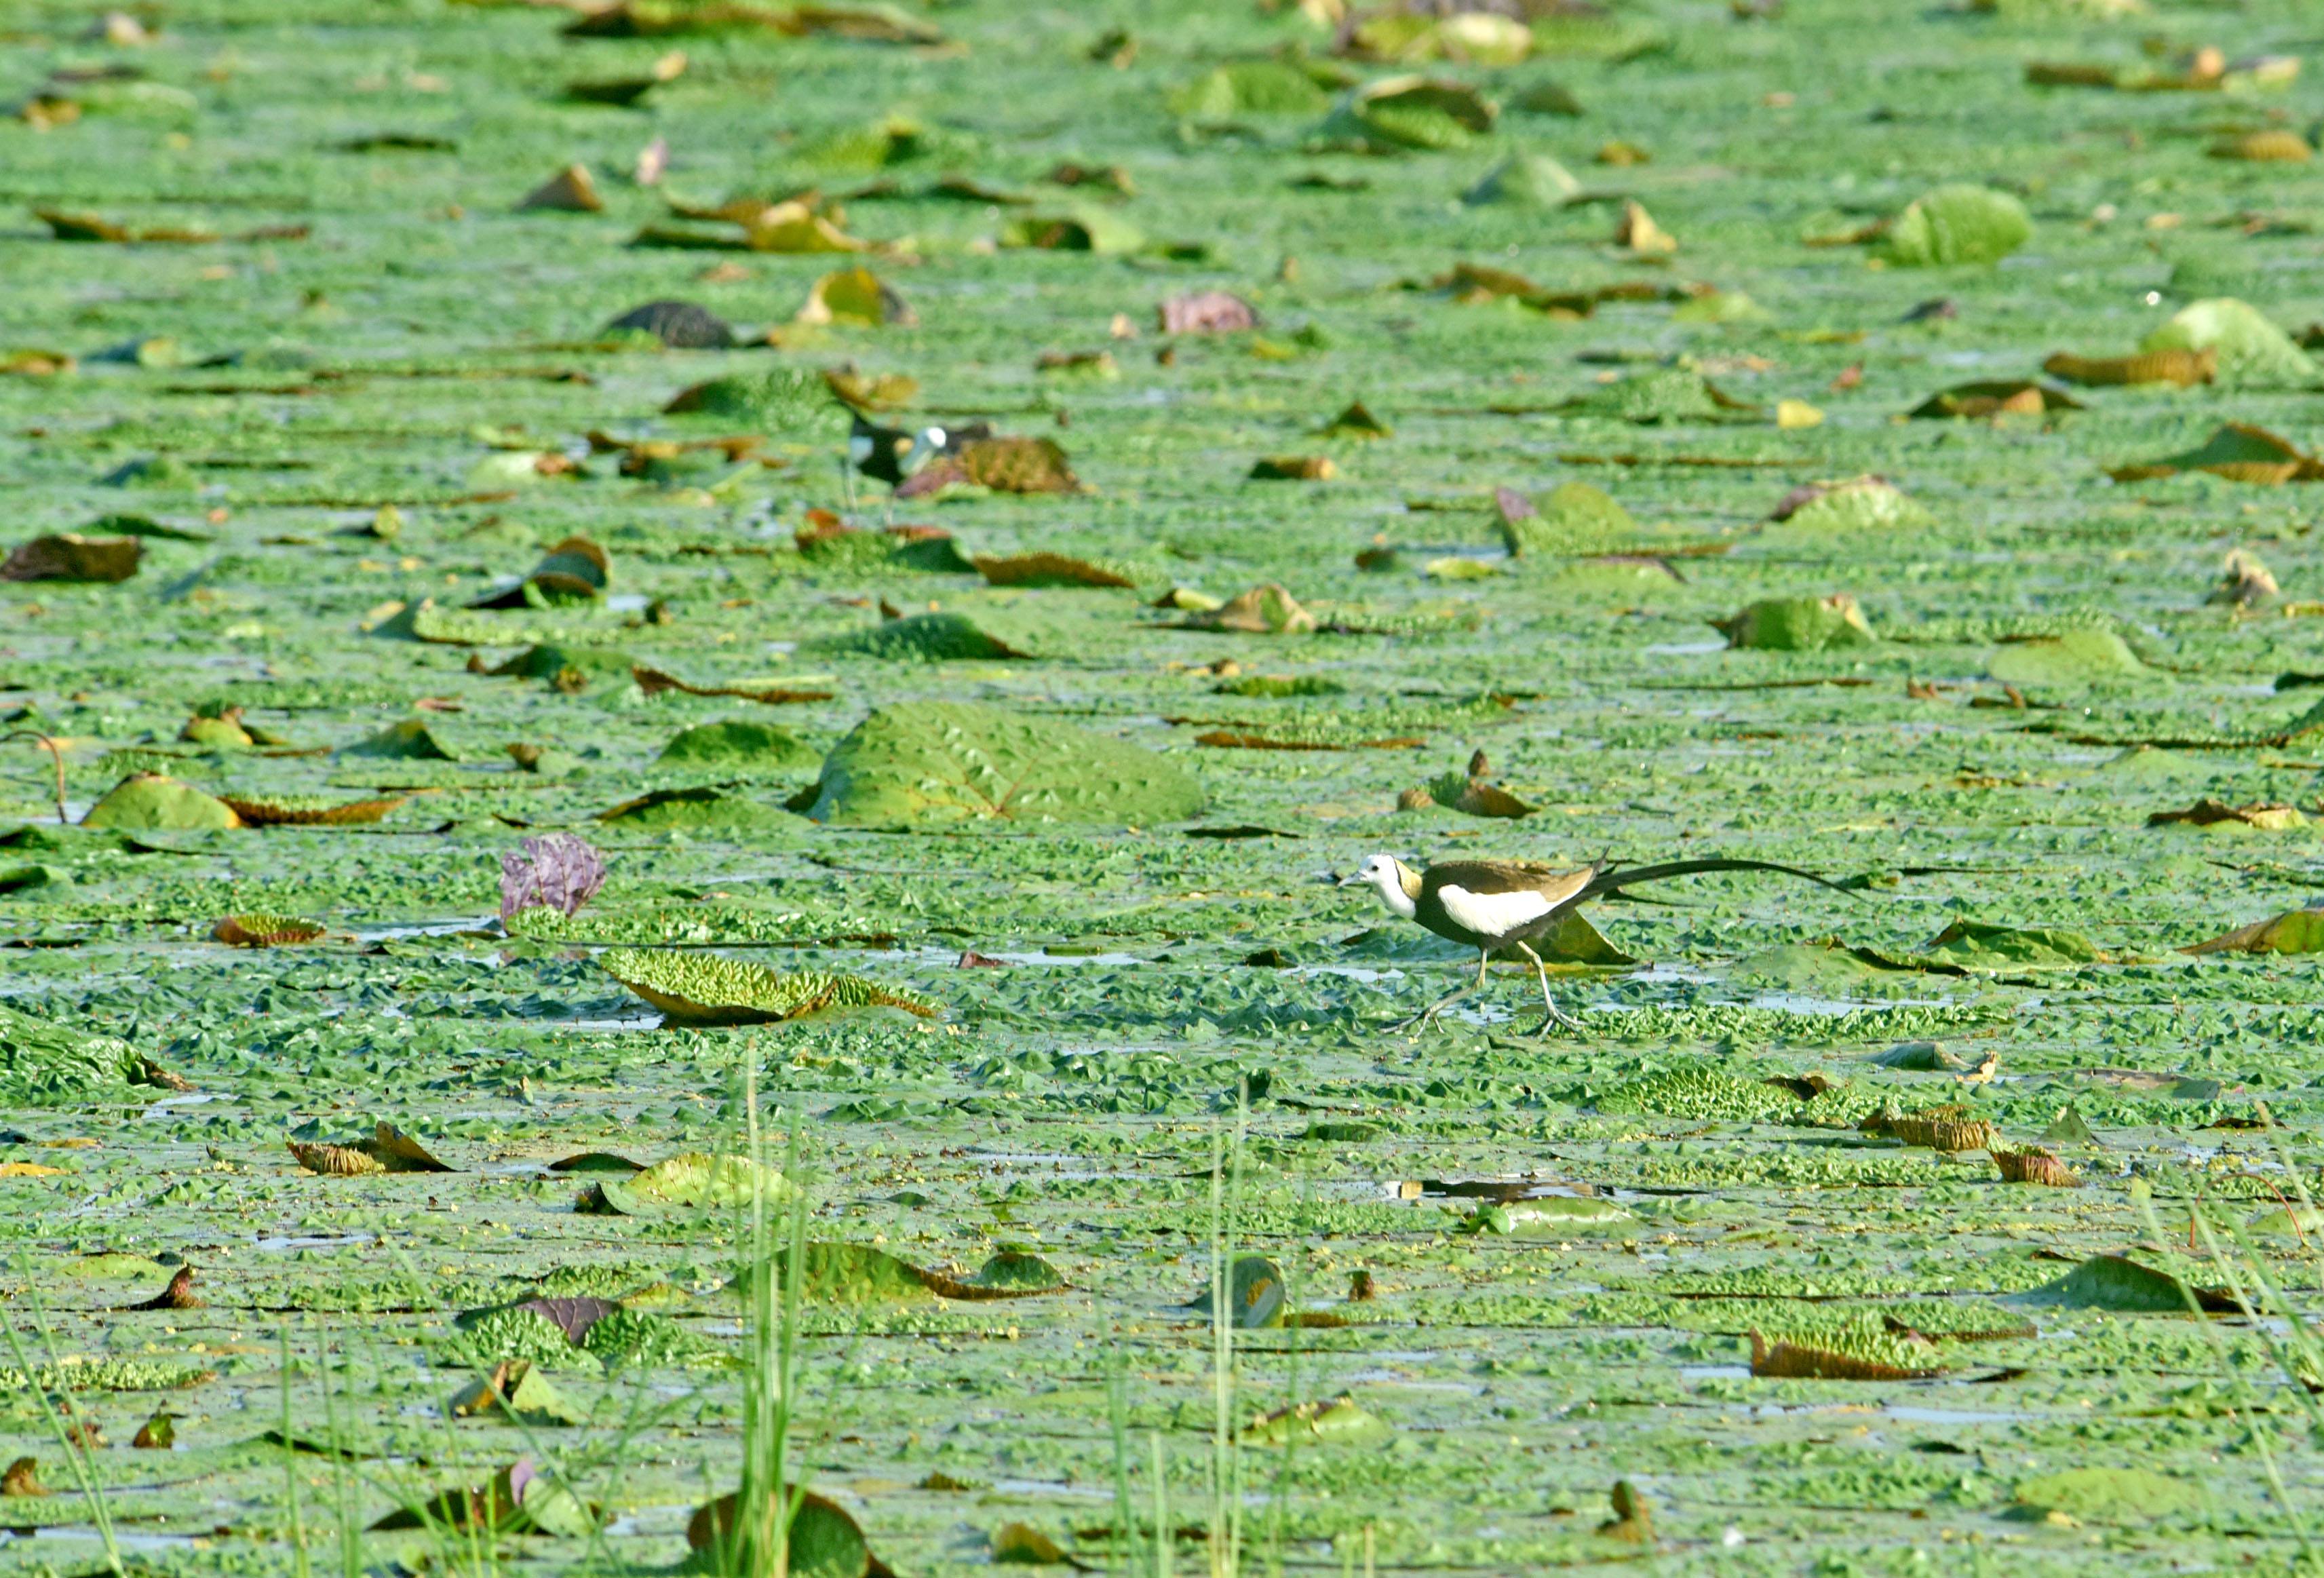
[[1491, 905]]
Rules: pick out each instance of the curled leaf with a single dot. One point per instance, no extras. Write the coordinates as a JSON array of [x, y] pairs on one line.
[[695, 989]]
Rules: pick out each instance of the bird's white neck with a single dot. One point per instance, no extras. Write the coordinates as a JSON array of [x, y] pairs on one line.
[[1398, 889]]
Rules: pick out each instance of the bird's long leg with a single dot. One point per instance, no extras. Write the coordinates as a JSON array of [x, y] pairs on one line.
[[1427, 1016], [847, 485], [1554, 1014]]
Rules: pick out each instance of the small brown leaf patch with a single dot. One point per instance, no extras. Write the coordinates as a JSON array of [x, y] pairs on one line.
[[264, 931], [158, 1434], [1789, 1360], [69, 556], [2237, 451], [2035, 1164], [2183, 368], [2209, 813], [178, 1294], [1206, 312], [335, 1161], [654, 681], [1046, 569], [259, 811], [2003, 396], [1293, 468], [1947, 1128], [572, 1316], [22, 1478], [389, 1150]]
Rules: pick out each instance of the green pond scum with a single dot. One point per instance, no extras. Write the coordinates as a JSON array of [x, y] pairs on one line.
[[683, 685]]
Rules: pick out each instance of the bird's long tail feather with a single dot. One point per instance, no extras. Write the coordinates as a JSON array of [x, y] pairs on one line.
[[1615, 881]]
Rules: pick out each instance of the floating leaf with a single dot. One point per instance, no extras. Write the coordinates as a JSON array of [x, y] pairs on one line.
[[654, 681], [2034, 1164], [22, 1478], [789, 402], [937, 637], [2183, 368], [2115, 1282], [1293, 468], [1206, 312], [689, 1181], [1797, 625], [1552, 1217], [71, 557], [516, 1391], [2249, 350], [264, 931], [1865, 503], [1334, 1422], [733, 745], [1638, 231], [2006, 397], [1400, 112], [42, 1063], [695, 989], [2210, 813], [1980, 945], [702, 806], [1667, 394], [1357, 421], [389, 1150], [946, 762], [2237, 451], [1004, 465], [821, 1541], [577, 570], [1947, 1128], [856, 296], [1257, 1300], [1576, 518], [310, 811], [1864, 1357], [149, 800], [2295, 931], [1958, 225], [1047, 570], [1475, 797], [572, 189], [1023, 1545], [2135, 1494], [1524, 180], [2076, 657], [521, 1500], [1264, 610], [1083, 229], [1267, 87]]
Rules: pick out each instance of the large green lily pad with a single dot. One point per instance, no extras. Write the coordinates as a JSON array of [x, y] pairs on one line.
[[149, 800], [1576, 518], [2077, 656], [1797, 625], [2253, 352], [42, 1062], [1958, 224], [739, 745], [702, 988], [959, 762]]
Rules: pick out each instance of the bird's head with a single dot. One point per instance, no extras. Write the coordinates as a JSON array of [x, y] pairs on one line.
[[1397, 885]]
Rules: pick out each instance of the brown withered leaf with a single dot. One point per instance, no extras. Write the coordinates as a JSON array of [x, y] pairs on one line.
[[654, 681], [2237, 451], [1206, 312], [335, 1161], [2275, 146], [2184, 368], [2001, 397], [68, 556], [572, 189], [572, 1316], [1804, 1361], [1294, 469], [1046, 569], [887, 392], [178, 1295], [264, 931], [158, 1434], [22, 1478], [1632, 1522], [1005, 464], [2035, 1164], [2274, 816]]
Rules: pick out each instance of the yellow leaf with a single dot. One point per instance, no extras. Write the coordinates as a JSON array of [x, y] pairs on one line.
[[1797, 413]]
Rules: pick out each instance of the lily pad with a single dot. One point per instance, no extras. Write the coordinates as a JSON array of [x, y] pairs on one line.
[[1088, 228], [703, 806], [2237, 451], [265, 931], [692, 1180], [1958, 224], [1524, 180], [1262, 87], [2251, 351], [735, 744], [516, 1391], [2295, 931], [1865, 503], [700, 989], [1576, 518], [2077, 656], [2115, 1282], [149, 800], [1336, 1422], [1047, 569], [1797, 625], [1979, 945], [823, 1539], [1398, 113], [42, 1062], [1665, 395], [412, 739], [789, 402], [2006, 397], [2132, 1494], [71, 557], [1552, 1217], [1258, 1298], [952, 761], [311, 810]]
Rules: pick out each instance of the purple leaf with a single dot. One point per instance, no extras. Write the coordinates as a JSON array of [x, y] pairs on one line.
[[558, 871], [573, 1317]]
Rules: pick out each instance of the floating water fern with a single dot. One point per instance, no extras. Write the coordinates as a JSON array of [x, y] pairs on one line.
[[700, 989]]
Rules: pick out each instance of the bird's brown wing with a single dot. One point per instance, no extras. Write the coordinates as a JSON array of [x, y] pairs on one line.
[[1487, 877]]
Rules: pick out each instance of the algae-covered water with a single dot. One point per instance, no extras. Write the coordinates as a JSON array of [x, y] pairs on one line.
[[1040, 855]]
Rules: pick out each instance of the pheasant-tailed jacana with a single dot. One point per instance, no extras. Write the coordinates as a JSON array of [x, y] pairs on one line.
[[1491, 905]]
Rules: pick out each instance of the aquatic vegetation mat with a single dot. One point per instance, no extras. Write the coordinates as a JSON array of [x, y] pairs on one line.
[[657, 655]]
